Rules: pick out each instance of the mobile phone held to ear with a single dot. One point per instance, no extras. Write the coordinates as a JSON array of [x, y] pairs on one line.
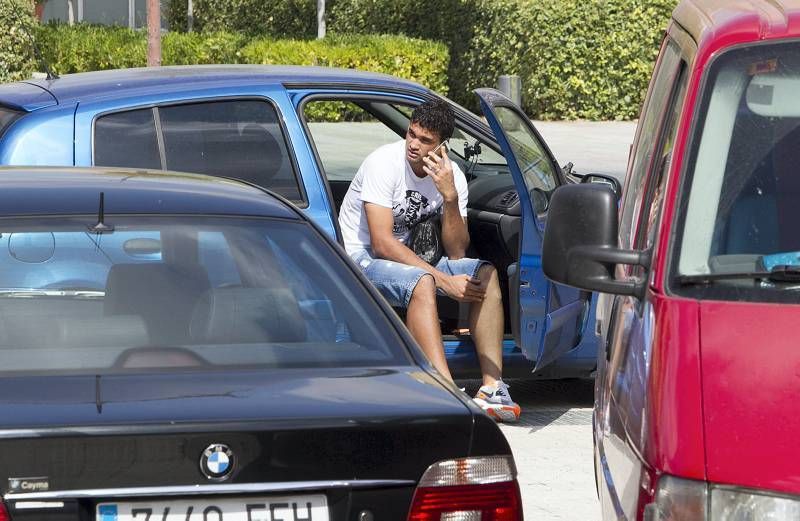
[[440, 145]]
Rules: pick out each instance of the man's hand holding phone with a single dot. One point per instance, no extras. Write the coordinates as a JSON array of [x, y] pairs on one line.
[[439, 168]]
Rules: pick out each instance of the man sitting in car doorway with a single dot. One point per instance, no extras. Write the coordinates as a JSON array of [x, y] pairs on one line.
[[398, 186]]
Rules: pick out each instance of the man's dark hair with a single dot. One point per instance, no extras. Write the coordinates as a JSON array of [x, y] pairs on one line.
[[436, 116]]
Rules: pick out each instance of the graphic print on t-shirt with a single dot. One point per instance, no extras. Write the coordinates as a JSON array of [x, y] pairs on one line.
[[411, 210]]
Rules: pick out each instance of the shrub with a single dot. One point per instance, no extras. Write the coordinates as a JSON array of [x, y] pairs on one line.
[[277, 18], [417, 60], [195, 48], [17, 59], [84, 47], [577, 58]]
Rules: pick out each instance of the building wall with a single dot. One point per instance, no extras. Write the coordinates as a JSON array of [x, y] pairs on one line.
[[126, 13]]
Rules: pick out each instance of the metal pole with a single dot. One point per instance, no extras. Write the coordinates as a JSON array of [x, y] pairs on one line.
[[511, 86], [153, 33], [190, 16], [320, 18]]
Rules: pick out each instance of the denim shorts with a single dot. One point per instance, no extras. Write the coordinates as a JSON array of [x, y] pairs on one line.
[[396, 282]]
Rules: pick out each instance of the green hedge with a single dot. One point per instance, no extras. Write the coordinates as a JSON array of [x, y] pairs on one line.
[[587, 59], [417, 60], [276, 18], [577, 58], [85, 47], [16, 52]]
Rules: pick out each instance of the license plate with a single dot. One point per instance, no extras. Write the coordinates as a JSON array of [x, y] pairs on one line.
[[272, 508]]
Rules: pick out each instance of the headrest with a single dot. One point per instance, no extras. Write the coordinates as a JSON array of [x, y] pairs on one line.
[[164, 295], [247, 315]]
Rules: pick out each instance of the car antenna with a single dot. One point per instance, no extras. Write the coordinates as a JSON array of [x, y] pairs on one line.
[[39, 56], [100, 226]]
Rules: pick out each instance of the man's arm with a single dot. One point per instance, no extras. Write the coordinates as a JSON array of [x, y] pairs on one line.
[[385, 246], [455, 237]]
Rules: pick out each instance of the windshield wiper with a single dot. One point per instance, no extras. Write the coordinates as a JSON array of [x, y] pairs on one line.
[[780, 273]]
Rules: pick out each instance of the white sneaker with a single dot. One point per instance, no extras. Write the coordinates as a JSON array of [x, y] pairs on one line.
[[497, 403]]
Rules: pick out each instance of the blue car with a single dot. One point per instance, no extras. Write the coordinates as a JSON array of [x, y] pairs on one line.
[[271, 126]]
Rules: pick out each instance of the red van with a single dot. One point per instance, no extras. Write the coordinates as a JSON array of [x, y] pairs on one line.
[[696, 411]]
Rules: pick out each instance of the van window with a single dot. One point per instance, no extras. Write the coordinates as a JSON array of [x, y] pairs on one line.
[[647, 134], [743, 205], [654, 195]]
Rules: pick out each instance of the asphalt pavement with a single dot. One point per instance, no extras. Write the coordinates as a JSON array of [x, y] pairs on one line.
[[552, 446], [552, 442]]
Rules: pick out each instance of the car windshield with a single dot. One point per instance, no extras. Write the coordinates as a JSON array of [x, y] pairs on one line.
[[744, 205], [195, 293]]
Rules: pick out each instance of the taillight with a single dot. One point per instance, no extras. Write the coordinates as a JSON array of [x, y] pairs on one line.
[[468, 489], [4, 513]]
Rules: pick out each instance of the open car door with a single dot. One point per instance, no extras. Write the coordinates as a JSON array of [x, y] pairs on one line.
[[547, 318]]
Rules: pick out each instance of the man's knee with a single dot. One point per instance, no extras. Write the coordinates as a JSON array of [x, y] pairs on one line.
[[425, 290]]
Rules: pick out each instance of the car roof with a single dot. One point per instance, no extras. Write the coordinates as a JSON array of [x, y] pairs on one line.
[[122, 83], [76, 191], [708, 20]]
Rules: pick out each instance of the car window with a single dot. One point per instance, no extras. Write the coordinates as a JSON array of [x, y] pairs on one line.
[[127, 139], [192, 293], [7, 117], [533, 161], [242, 139], [343, 144], [463, 144], [743, 202], [653, 115], [216, 257]]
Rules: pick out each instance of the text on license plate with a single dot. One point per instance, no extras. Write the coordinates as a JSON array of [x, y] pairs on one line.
[[283, 508]]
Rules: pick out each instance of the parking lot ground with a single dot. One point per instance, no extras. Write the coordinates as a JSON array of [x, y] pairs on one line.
[[592, 146], [552, 445]]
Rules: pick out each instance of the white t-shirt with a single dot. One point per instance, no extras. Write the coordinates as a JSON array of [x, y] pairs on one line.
[[385, 178]]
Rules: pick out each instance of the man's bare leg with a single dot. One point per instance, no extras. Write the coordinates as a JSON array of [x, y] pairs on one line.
[[486, 326], [422, 319]]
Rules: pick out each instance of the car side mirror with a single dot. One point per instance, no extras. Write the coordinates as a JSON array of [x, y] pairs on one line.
[[603, 179], [540, 200], [580, 241]]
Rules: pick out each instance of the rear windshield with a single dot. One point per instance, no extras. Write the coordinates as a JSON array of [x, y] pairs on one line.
[[740, 220], [181, 294], [7, 117]]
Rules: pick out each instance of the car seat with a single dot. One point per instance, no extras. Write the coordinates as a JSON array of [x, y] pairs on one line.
[[164, 295], [247, 315]]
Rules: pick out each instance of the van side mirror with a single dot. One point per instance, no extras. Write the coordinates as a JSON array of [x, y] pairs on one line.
[[580, 241], [611, 182]]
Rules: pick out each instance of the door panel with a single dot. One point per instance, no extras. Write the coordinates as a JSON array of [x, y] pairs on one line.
[[549, 316]]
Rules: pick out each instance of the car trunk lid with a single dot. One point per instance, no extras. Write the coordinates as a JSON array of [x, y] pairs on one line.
[[87, 439]]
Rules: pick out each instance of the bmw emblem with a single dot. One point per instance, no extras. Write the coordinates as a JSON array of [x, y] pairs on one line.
[[217, 462]]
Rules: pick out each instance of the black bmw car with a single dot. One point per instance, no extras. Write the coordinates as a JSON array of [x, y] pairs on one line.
[[187, 348]]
